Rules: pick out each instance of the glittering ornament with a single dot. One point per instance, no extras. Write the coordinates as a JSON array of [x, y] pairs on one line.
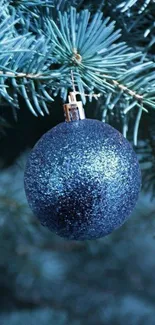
[[82, 178]]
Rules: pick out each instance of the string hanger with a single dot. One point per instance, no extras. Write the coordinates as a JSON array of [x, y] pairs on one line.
[[78, 92]]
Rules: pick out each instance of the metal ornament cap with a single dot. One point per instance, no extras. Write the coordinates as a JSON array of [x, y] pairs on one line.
[[73, 110]]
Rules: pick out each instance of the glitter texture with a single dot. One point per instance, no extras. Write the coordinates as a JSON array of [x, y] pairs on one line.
[[82, 179]]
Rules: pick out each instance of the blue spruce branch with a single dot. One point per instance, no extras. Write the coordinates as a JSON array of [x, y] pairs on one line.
[[136, 18], [38, 65], [140, 5]]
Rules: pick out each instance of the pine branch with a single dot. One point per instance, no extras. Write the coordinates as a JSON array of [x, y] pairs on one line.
[[38, 66], [20, 53], [140, 5], [93, 69], [32, 3], [25, 5], [136, 18]]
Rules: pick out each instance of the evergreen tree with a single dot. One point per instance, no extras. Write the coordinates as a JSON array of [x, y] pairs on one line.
[[106, 51]]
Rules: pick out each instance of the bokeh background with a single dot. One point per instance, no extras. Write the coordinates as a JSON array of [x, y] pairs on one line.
[[47, 280]]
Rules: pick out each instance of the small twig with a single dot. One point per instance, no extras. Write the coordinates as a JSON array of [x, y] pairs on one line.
[[124, 88], [32, 76], [20, 74]]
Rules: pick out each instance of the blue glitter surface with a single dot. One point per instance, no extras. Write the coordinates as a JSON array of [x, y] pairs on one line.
[[82, 179]]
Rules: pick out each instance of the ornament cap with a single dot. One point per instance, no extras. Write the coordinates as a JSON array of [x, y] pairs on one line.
[[73, 111]]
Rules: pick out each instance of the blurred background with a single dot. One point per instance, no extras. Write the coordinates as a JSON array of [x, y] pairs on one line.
[[47, 280]]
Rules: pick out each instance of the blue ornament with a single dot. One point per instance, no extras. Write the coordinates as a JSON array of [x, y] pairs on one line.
[[82, 179]]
